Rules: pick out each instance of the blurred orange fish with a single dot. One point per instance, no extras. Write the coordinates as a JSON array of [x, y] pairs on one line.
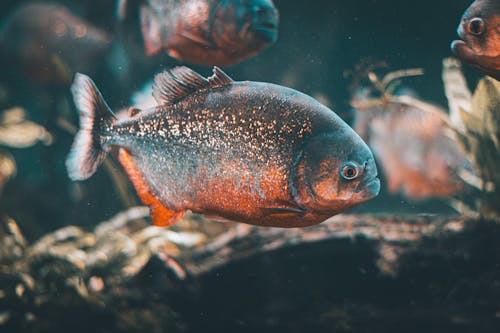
[[414, 146]]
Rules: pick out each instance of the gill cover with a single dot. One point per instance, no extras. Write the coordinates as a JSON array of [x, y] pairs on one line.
[[330, 172]]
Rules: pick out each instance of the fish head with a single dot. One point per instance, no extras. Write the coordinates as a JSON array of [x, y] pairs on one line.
[[334, 173], [244, 25], [479, 30]]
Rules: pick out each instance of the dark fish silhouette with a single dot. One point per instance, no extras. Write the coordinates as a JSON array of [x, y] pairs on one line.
[[49, 43], [247, 151], [205, 32], [479, 29]]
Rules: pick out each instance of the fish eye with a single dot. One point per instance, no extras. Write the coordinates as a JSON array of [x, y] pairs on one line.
[[476, 26], [350, 171]]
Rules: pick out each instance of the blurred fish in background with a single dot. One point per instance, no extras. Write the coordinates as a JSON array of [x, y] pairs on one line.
[[415, 148], [203, 32], [47, 43]]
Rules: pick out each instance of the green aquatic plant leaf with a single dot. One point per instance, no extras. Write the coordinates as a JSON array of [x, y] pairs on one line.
[[475, 119], [481, 139], [486, 105], [473, 123]]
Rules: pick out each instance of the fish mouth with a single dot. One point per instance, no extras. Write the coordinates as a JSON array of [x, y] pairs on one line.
[[267, 30], [266, 26], [487, 65], [368, 189], [462, 50]]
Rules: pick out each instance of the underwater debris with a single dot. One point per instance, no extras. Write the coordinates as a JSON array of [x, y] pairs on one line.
[[7, 168], [415, 148], [72, 266], [145, 271], [17, 132], [120, 247], [393, 234], [477, 128]]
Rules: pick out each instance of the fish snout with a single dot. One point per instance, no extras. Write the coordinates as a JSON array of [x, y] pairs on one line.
[[369, 186], [265, 13], [265, 20], [370, 168]]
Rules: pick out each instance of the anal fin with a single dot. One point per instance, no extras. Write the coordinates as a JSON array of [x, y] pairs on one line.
[[161, 215]]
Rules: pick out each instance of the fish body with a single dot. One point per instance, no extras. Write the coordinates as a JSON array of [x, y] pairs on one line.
[[206, 32], [479, 30], [247, 151], [49, 43], [416, 149]]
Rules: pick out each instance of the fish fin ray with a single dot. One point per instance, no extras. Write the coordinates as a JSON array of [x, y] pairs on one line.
[[160, 214], [219, 78], [172, 85], [86, 153], [168, 87]]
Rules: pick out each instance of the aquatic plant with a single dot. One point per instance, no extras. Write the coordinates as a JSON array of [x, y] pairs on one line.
[[475, 119], [17, 132]]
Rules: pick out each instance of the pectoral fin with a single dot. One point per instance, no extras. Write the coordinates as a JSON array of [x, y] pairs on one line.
[[284, 210], [160, 214], [197, 39]]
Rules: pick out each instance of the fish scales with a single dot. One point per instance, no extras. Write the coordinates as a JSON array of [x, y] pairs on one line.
[[235, 150], [247, 145]]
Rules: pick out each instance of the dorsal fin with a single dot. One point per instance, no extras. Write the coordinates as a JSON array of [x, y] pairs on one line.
[[174, 84], [219, 78]]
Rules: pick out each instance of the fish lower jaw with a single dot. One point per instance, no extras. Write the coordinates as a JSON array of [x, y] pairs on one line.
[[457, 45], [462, 50], [368, 190]]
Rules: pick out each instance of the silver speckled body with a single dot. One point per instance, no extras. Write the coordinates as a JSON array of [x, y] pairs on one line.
[[228, 151]]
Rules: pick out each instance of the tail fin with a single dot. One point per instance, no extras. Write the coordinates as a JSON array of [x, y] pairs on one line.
[[86, 153]]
